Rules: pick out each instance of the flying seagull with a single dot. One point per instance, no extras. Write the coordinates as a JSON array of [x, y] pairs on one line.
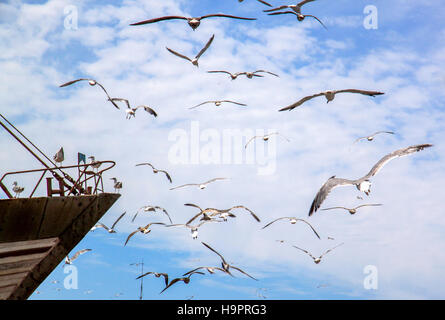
[[186, 280], [362, 184], [131, 112], [143, 230], [17, 189], [354, 210], [218, 103], [265, 137], [110, 230], [92, 82], [371, 137], [117, 184], [249, 75], [76, 255], [194, 61], [295, 7], [193, 229], [210, 270], [156, 170], [293, 220], [208, 213], [59, 156], [157, 275], [330, 95], [225, 265], [193, 22], [200, 185], [263, 2], [153, 209], [317, 259], [300, 16], [233, 76]]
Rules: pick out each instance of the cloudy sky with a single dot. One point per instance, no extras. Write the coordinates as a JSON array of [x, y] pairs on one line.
[[46, 43]]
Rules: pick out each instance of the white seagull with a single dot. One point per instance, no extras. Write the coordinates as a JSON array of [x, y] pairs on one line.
[[117, 184], [218, 103], [156, 170], [193, 229], [317, 260], [265, 137], [95, 164], [293, 220], [17, 189], [200, 185], [110, 230], [152, 209], [194, 61], [143, 230], [372, 136], [362, 184], [76, 255], [354, 210], [131, 112], [59, 156]]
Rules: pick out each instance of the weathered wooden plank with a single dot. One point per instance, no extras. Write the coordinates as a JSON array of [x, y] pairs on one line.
[[48, 241], [15, 270], [18, 248], [6, 291], [34, 256]]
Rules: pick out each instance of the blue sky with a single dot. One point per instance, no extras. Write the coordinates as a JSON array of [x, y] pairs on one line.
[[403, 57]]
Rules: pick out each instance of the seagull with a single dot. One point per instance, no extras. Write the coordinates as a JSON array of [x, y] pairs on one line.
[[157, 275], [300, 16], [110, 230], [210, 270], [295, 7], [131, 112], [17, 189], [76, 255], [330, 95], [200, 185], [186, 280], [265, 137], [92, 82], [143, 230], [156, 170], [218, 103], [249, 75], [317, 260], [208, 213], [193, 229], [225, 265], [362, 184], [194, 61], [293, 220], [263, 2], [193, 22], [153, 209], [59, 156], [117, 184], [95, 164], [354, 210], [371, 137]]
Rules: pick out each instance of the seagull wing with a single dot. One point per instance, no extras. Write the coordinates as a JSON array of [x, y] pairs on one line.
[[74, 81], [301, 101], [148, 109], [236, 268], [157, 20], [365, 92], [309, 15], [120, 217], [316, 233], [222, 258], [398, 153], [167, 175], [193, 218], [130, 235], [234, 102], [193, 205], [145, 274], [251, 212], [327, 251], [179, 55], [214, 179], [332, 208], [369, 205], [275, 221], [378, 132], [108, 96], [78, 253], [165, 211], [185, 185], [225, 16], [205, 47], [264, 2], [305, 251], [274, 74], [281, 12], [122, 100], [198, 105], [276, 9], [146, 164], [220, 71], [245, 147], [325, 190]]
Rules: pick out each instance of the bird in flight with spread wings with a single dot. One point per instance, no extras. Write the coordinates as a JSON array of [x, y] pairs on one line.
[[194, 61], [199, 185], [330, 95], [372, 136], [249, 75], [317, 260], [218, 103], [131, 112], [69, 260], [152, 209], [354, 210], [362, 184], [156, 170], [110, 230], [262, 1], [265, 137], [293, 220]]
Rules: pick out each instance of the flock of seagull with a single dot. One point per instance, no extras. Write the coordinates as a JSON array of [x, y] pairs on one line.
[[208, 215]]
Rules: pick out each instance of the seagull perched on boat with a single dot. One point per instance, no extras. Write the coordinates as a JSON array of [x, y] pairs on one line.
[[59, 156], [117, 184], [218, 103], [110, 230], [156, 170], [76, 255], [330, 95], [371, 137], [263, 2], [193, 229], [193, 22], [200, 185], [317, 260], [91, 82], [354, 210], [17, 189], [157, 275], [194, 61], [293, 220], [249, 75], [153, 209], [186, 280], [362, 184], [95, 164], [265, 137], [131, 112], [225, 265], [143, 230]]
